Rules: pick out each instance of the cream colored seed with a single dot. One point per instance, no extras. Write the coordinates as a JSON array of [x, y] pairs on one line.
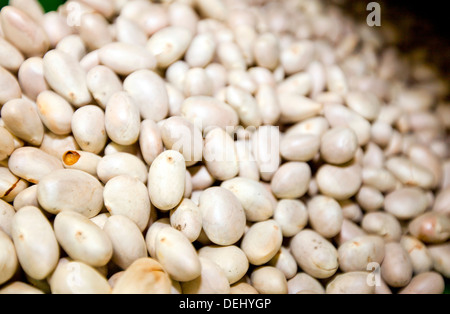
[[339, 182], [269, 280], [73, 45], [150, 94], [19, 288], [75, 277], [55, 112], [127, 196], [339, 145], [167, 179], [70, 190], [23, 32], [32, 164], [122, 119], [187, 218], [6, 143], [285, 262], [397, 268], [177, 255], [94, 30], [169, 44], [350, 283], [231, 259], [145, 275], [223, 217], [325, 216], [314, 254], [262, 242], [11, 58], [292, 216], [304, 282], [35, 242], [121, 164], [212, 280], [10, 185], [418, 253], [31, 77], [66, 76], [6, 215], [257, 202], [22, 119], [8, 258], [82, 240], [127, 240], [103, 83]]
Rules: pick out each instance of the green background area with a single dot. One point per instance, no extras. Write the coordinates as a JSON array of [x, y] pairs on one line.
[[49, 5]]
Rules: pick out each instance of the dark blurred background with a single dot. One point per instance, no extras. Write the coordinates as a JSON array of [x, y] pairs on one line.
[[421, 24]]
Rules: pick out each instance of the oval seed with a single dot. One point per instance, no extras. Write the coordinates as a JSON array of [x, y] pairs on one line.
[[10, 88], [22, 119], [406, 203], [121, 164], [358, 253], [269, 280], [127, 240], [125, 58], [299, 147], [397, 268], [210, 111], [80, 160], [285, 262], [384, 225], [65, 75], [262, 242], [177, 255], [339, 182], [82, 239], [8, 258], [122, 119], [292, 216], [71, 190], [144, 276], [350, 283], [75, 277], [314, 254], [291, 180], [31, 78], [55, 112], [325, 216], [11, 58], [220, 155], [231, 259], [255, 199], [418, 253], [223, 217], [23, 32], [35, 242], [150, 141], [169, 45], [166, 180], [10, 185], [102, 82], [6, 215], [212, 280], [187, 218], [339, 145], [150, 94], [431, 227], [426, 283], [32, 164], [128, 196], [181, 135]]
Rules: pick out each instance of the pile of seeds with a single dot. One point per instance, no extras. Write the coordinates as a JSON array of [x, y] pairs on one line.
[[217, 146]]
